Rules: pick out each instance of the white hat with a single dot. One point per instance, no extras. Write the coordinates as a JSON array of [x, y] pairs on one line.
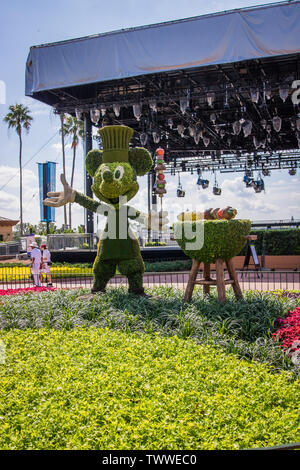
[[34, 244]]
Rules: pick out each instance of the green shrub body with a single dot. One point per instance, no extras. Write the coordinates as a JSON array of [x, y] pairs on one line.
[[222, 238]]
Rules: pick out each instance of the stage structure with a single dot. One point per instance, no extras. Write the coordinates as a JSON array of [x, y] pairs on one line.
[[218, 92]]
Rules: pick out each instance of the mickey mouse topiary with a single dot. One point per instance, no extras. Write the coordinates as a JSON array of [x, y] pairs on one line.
[[115, 170]]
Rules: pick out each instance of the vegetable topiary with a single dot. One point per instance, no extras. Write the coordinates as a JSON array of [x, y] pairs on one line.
[[223, 239]]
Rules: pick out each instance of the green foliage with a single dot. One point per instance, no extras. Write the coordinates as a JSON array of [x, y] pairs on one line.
[[140, 159], [222, 238], [243, 327], [93, 160], [155, 244], [277, 242], [165, 266], [100, 389], [18, 118]]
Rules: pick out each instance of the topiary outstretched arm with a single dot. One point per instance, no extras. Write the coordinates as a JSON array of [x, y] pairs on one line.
[[69, 195], [87, 202]]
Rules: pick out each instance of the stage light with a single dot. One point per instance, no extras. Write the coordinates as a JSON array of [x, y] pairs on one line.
[[276, 121], [206, 141], [143, 138], [184, 103], [156, 137], [137, 111], [213, 118], [103, 109], [153, 105], [192, 131], [210, 96], [95, 115], [170, 123], [256, 142], [116, 109], [283, 92], [268, 91], [197, 137], [236, 126], [254, 93], [78, 113], [263, 123], [247, 128]]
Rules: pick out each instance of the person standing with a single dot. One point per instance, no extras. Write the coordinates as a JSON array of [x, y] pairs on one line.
[[46, 263], [36, 257]]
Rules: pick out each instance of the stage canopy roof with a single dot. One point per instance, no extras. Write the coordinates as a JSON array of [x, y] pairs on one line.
[[183, 84]]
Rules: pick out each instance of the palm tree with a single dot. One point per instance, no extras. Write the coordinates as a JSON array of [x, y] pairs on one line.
[[75, 128], [19, 118]]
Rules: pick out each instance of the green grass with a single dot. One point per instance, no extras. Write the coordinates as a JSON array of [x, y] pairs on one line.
[[241, 327], [101, 389], [123, 372]]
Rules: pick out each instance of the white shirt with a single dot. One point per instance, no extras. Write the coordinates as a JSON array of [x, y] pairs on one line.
[[36, 254], [46, 256]]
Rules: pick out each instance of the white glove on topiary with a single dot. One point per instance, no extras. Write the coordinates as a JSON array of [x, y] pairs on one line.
[[58, 199]]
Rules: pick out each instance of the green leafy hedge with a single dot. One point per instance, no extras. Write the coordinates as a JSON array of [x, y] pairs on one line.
[[222, 238], [277, 242], [100, 389], [155, 244]]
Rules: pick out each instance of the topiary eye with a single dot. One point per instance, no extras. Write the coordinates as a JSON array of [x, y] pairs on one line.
[[103, 169], [119, 172]]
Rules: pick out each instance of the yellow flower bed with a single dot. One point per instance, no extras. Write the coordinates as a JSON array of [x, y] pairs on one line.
[[23, 272]]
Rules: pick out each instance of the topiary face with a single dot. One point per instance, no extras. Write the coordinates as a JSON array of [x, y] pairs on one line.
[[114, 180]]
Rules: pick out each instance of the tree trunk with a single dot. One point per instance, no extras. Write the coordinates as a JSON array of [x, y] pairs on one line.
[[72, 179], [63, 157], [21, 184]]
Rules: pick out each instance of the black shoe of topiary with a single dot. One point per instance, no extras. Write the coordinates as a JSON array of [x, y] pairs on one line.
[[94, 290], [91, 295], [141, 292]]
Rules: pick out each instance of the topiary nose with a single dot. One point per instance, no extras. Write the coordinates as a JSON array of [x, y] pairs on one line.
[[107, 176]]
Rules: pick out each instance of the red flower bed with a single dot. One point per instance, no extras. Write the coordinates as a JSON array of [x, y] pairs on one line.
[[289, 330], [24, 290]]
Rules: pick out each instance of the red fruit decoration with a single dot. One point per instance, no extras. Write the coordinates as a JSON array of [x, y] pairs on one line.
[[160, 167], [227, 213]]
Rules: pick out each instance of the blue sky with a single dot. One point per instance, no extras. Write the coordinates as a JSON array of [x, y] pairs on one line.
[[24, 24]]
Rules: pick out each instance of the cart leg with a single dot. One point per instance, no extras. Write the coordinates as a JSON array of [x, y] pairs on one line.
[[206, 276], [220, 280], [191, 281], [232, 274]]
